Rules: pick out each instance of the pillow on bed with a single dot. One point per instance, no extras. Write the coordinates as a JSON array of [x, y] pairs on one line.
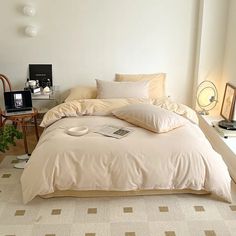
[[156, 85], [150, 117], [111, 89], [82, 92]]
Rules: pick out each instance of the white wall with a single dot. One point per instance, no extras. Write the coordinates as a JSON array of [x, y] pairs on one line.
[[213, 21], [88, 39], [229, 73], [229, 70]]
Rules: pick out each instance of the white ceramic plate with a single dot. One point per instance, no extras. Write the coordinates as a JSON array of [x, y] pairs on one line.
[[77, 131]]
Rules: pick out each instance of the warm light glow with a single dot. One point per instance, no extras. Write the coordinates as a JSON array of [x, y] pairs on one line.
[[206, 96]]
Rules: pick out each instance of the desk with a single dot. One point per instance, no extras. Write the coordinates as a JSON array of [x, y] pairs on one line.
[[44, 96], [45, 102], [226, 147], [23, 121]]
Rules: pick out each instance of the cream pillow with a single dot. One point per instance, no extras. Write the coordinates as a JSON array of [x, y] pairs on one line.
[[111, 89], [156, 85], [82, 92], [150, 117]]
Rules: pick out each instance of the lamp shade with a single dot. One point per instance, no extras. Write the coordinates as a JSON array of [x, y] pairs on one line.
[[31, 31], [207, 96], [29, 10]]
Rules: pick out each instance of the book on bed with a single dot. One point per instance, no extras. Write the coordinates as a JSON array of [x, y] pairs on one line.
[[114, 131]]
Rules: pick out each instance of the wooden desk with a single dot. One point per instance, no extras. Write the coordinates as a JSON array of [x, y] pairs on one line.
[[23, 121], [226, 147]]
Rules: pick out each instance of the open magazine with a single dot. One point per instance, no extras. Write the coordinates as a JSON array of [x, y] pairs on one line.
[[114, 131]]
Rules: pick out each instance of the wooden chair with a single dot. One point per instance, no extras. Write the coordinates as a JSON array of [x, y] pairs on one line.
[[22, 120], [6, 87], [5, 82]]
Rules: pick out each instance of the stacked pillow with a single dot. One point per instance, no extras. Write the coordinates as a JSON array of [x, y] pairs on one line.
[[82, 92], [140, 86], [156, 82], [124, 86], [108, 89]]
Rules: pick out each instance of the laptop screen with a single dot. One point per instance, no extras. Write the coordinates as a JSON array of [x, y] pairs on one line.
[[18, 100]]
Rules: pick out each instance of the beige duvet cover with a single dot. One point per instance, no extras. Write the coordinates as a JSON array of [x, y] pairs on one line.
[[179, 159]]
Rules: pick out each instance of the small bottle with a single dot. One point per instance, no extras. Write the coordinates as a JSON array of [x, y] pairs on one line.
[[37, 84], [27, 83], [48, 83]]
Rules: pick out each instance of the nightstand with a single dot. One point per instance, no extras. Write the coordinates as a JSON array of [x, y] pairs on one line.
[[44, 102], [226, 147]]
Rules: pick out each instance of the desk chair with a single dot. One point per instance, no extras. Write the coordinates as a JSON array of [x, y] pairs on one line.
[[6, 87], [18, 119]]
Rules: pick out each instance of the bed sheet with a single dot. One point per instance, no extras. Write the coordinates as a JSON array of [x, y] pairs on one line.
[[180, 159]]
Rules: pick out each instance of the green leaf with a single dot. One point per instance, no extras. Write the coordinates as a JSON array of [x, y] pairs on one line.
[[8, 134]]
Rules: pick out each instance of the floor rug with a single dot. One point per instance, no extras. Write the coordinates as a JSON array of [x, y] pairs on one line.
[[165, 215]]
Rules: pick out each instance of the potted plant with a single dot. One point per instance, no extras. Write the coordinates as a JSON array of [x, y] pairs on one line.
[[8, 135]]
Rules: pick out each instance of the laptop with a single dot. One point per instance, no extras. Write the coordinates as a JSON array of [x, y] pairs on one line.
[[18, 102]]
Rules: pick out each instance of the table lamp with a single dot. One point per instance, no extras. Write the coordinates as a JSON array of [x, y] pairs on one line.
[[207, 96]]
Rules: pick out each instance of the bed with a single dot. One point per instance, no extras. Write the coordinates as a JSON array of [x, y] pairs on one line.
[[144, 162]]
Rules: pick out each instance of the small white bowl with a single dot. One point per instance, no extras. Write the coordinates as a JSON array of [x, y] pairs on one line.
[[77, 131]]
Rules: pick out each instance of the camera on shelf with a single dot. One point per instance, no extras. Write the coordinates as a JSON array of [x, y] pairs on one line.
[[33, 86]]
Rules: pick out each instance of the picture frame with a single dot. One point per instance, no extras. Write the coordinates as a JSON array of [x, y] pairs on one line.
[[227, 108], [42, 73]]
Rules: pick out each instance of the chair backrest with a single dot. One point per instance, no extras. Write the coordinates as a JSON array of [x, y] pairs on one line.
[[5, 83], [6, 87]]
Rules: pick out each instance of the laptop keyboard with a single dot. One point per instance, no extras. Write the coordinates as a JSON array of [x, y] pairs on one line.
[[19, 113]]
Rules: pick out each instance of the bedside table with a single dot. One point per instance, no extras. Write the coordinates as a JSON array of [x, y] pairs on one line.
[[226, 147], [44, 102]]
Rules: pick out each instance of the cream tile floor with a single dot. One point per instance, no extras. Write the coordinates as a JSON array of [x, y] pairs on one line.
[[166, 215]]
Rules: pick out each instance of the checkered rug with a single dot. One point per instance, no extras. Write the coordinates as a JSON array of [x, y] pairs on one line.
[[166, 215]]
